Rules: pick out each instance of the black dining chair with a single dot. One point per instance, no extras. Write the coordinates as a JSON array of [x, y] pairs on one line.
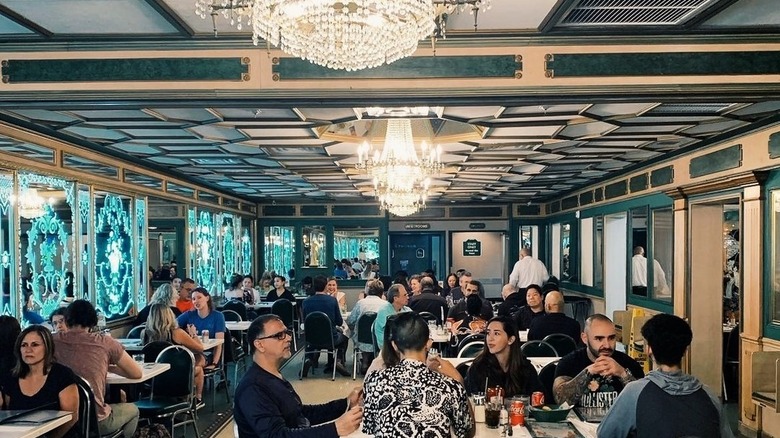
[[475, 337], [538, 349], [365, 335], [284, 309], [428, 317], [135, 332], [210, 374], [471, 349], [153, 349], [231, 315], [547, 377], [172, 391], [87, 425], [237, 306], [463, 368], [319, 336], [562, 343]]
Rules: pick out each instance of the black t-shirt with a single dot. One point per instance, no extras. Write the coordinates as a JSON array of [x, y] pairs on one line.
[[59, 378], [602, 391]]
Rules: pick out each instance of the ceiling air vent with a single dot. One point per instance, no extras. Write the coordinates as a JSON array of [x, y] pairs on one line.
[[632, 12]]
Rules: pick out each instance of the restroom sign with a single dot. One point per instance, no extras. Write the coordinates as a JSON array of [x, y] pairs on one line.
[[472, 248]]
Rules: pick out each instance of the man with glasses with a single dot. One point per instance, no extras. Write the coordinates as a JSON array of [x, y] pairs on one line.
[[184, 302], [266, 405], [459, 312]]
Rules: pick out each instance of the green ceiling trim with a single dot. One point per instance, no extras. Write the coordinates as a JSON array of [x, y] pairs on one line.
[[662, 176], [569, 203], [417, 67], [662, 64], [119, 70], [615, 190], [529, 210], [718, 161], [314, 210], [638, 183]]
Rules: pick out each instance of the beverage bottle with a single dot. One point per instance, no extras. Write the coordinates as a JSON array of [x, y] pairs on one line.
[[101, 320]]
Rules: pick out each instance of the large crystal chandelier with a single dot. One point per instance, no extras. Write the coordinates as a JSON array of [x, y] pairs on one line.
[[29, 203], [340, 34], [401, 175]]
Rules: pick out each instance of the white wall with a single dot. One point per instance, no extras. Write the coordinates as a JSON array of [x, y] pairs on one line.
[[586, 251], [615, 238]]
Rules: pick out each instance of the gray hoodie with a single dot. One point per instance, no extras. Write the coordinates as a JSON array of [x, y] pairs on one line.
[[665, 405]]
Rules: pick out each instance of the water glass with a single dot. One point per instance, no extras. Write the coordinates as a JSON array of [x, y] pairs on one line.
[[139, 359], [433, 353]]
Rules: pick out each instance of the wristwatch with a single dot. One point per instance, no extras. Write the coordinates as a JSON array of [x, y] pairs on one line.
[[628, 375]]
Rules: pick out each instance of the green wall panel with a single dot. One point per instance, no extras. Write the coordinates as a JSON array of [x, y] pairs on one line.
[[662, 176], [278, 210], [118, 70], [416, 67], [724, 159], [774, 145], [638, 183], [569, 203], [598, 194], [663, 64], [314, 210], [614, 190], [529, 210], [586, 198], [356, 210], [480, 212]]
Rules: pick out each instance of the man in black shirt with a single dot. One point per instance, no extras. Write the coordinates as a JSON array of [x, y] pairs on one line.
[[555, 321], [459, 311], [429, 301], [594, 376], [512, 303], [267, 405], [534, 309]]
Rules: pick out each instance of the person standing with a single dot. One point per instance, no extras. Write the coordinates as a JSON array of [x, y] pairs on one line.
[[593, 376], [526, 271], [267, 405], [671, 402]]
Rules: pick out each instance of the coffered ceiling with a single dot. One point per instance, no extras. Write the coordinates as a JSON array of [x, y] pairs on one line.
[[520, 150]]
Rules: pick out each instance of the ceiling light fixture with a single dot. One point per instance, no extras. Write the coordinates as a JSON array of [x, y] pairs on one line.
[[401, 175], [341, 34], [30, 204]]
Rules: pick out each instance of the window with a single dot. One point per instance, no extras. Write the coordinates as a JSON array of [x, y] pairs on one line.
[[279, 249], [662, 253], [639, 271]]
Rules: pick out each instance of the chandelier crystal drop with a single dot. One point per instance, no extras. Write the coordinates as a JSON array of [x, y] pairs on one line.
[[341, 34], [400, 174], [29, 204]]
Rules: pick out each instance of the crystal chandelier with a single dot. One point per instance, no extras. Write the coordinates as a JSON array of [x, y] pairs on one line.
[[401, 176], [29, 204], [340, 34]]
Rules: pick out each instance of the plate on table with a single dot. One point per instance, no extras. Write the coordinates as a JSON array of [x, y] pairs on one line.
[[553, 430]]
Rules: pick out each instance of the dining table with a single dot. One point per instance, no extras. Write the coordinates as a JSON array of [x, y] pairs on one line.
[[537, 362], [149, 370], [237, 325], [136, 345], [27, 427]]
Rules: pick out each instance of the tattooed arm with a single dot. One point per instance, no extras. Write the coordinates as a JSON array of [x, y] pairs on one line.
[[568, 389]]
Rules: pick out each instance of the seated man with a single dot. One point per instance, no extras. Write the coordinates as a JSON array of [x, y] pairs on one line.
[[671, 402], [593, 376], [322, 301], [184, 300], [472, 320], [512, 303], [459, 311], [373, 302], [555, 321], [428, 300], [534, 309], [267, 406], [92, 356]]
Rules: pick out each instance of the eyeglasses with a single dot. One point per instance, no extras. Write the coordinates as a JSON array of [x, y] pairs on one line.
[[280, 336]]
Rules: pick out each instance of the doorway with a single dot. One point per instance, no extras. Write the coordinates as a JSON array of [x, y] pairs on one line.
[[615, 253], [714, 300]]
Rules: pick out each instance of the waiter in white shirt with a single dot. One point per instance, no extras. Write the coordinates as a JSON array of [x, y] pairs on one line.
[[527, 270]]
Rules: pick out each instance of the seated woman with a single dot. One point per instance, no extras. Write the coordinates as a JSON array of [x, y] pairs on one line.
[[333, 290], [502, 363], [204, 317], [280, 290], [413, 398], [37, 380], [57, 320], [238, 292], [165, 295], [162, 326]]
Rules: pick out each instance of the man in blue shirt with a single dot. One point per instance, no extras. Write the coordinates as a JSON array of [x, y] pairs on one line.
[[322, 302], [267, 405]]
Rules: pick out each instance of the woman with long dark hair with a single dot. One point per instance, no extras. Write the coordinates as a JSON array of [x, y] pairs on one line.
[[502, 363], [37, 380]]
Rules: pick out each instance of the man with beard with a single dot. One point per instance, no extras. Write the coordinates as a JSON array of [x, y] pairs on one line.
[[594, 376]]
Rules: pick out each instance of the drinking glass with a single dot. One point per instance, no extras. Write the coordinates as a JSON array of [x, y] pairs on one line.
[[433, 353], [492, 415]]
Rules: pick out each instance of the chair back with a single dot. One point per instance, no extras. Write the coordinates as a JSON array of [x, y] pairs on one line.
[[428, 317], [731, 349], [135, 332], [476, 337], [319, 330], [547, 377], [538, 349], [365, 333], [562, 343], [472, 349], [153, 349], [87, 413], [284, 309], [374, 340], [177, 381], [231, 315], [233, 349], [236, 306], [463, 368]]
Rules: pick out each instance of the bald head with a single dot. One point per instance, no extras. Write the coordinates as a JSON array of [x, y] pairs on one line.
[[553, 302], [525, 252], [507, 290]]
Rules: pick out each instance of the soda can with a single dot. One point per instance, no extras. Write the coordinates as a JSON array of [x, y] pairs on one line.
[[517, 413], [205, 336], [537, 398]]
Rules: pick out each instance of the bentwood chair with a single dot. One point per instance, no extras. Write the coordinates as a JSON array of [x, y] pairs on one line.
[[172, 391], [284, 309], [365, 335], [562, 343], [547, 377], [87, 425], [471, 349], [538, 349], [428, 317], [319, 336], [231, 315], [135, 332], [210, 374], [237, 306]]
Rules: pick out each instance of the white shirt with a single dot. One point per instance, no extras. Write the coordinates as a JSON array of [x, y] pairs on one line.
[[528, 271], [639, 274]]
